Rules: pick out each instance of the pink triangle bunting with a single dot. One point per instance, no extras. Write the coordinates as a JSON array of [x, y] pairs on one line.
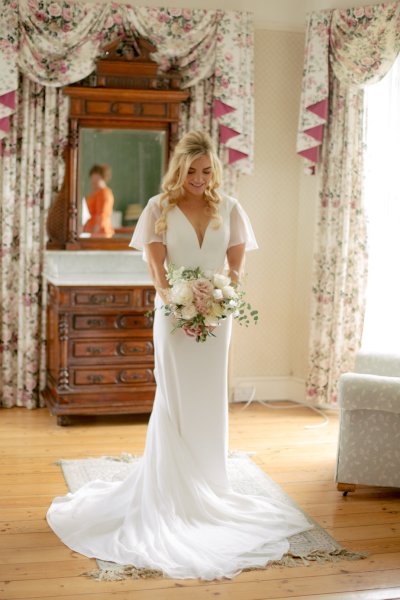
[[5, 124], [220, 108], [8, 100], [319, 108], [316, 132], [226, 133], [235, 155], [311, 154]]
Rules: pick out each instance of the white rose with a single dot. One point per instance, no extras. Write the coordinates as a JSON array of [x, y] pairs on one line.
[[228, 291], [220, 280], [189, 311], [181, 293], [217, 294]]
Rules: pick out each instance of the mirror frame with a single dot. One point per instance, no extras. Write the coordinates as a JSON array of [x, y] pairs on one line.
[[122, 93]]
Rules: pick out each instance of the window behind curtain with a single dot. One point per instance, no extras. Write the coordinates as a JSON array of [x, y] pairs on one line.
[[382, 196]]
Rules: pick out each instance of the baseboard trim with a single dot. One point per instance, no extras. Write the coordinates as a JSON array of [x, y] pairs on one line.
[[269, 388]]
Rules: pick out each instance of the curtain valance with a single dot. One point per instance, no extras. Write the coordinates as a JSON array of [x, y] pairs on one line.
[[358, 46], [55, 43]]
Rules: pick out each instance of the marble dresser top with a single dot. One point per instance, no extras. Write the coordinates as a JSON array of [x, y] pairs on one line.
[[96, 267]]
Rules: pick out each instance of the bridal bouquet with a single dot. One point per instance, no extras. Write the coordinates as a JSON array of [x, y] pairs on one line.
[[200, 300]]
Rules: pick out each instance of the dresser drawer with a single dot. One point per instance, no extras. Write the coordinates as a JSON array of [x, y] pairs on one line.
[[110, 322], [96, 376], [126, 349], [134, 298], [113, 299]]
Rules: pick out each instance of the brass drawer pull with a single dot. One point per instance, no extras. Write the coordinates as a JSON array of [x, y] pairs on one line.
[[102, 298], [94, 349], [123, 349], [95, 378], [146, 376], [127, 348], [95, 322]]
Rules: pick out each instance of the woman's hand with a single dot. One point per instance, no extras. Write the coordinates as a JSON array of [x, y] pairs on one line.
[[235, 255], [164, 294]]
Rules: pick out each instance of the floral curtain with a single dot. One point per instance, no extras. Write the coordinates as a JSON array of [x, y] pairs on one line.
[[340, 266], [345, 50], [359, 44], [31, 171], [56, 43]]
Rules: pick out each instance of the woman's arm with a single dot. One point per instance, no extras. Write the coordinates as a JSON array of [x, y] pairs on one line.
[[156, 253], [235, 255]]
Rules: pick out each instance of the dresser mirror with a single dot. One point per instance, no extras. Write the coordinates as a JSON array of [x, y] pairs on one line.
[[123, 126], [133, 162]]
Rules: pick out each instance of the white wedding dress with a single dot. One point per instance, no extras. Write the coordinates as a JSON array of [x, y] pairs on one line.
[[176, 510]]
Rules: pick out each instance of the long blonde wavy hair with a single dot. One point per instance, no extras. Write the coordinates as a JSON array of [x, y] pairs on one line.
[[191, 146]]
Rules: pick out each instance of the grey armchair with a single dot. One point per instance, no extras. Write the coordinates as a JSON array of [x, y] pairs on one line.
[[369, 435]]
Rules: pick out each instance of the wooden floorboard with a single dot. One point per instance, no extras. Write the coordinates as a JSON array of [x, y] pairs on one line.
[[35, 564]]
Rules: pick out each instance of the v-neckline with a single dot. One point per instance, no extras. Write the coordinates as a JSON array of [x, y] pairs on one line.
[[193, 228]]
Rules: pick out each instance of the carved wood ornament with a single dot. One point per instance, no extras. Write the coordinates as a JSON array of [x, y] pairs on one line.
[[126, 90]]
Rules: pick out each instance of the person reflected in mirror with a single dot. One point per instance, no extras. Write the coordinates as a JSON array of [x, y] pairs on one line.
[[100, 203]]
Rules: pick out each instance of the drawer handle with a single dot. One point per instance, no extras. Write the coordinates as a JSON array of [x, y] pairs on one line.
[[134, 349], [94, 349], [146, 376], [95, 322], [124, 350], [95, 378], [125, 377], [102, 299]]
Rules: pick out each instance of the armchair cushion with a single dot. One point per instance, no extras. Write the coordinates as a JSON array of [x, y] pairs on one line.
[[375, 392]]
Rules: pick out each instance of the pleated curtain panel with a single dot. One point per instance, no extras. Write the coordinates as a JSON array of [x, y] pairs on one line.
[[47, 45], [345, 50]]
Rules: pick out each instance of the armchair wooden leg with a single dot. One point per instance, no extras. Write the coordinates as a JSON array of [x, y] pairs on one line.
[[346, 487]]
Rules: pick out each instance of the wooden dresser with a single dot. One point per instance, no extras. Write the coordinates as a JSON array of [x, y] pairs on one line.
[[100, 354]]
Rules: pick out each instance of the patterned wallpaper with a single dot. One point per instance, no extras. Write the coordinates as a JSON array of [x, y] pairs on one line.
[[280, 200]]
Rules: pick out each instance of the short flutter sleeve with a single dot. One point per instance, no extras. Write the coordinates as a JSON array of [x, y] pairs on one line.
[[241, 230], [144, 231]]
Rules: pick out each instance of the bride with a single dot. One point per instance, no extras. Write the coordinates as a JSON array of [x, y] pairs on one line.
[[176, 511]]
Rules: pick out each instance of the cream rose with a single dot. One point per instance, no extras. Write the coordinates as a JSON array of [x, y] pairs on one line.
[[189, 311], [220, 280], [228, 291], [181, 293]]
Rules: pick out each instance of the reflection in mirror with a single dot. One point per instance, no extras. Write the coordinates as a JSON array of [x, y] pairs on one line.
[[119, 170]]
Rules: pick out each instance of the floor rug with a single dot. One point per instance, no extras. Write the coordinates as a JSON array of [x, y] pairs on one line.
[[315, 545]]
